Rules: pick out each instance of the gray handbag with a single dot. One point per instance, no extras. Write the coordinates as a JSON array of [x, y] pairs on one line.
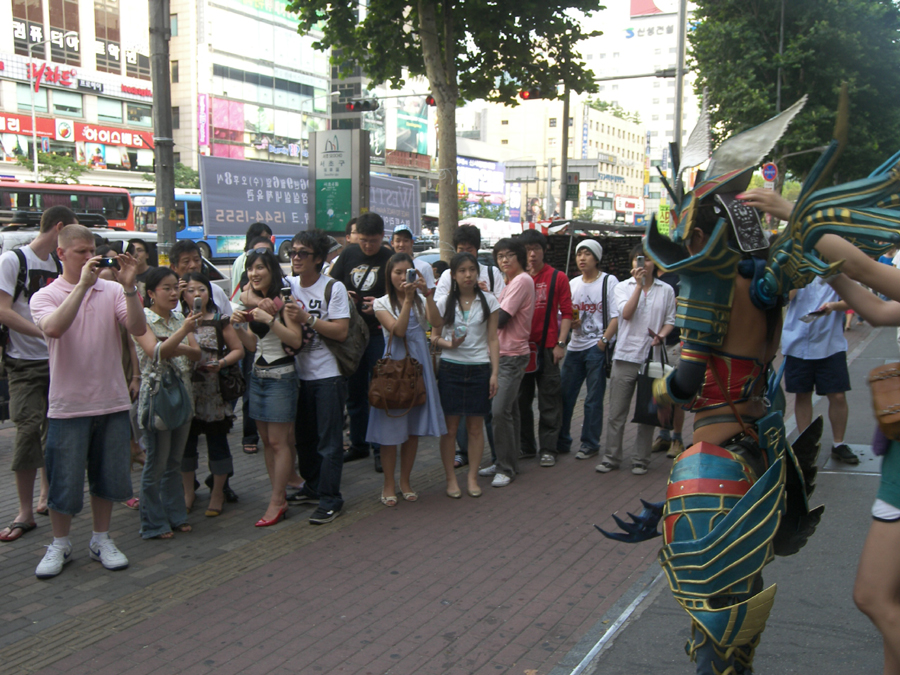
[[169, 403]]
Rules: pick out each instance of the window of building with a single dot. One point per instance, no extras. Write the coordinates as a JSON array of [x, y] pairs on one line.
[[174, 68], [141, 115], [551, 142], [64, 19], [137, 65], [670, 117], [602, 87], [615, 55], [673, 50], [603, 56], [23, 96], [176, 157], [109, 110], [107, 40], [28, 26], [571, 121], [67, 103], [615, 87], [657, 51], [552, 121], [173, 25], [176, 117], [670, 99], [656, 85], [671, 83], [504, 122], [504, 142]]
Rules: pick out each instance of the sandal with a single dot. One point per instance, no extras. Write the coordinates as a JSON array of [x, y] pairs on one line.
[[45, 511], [390, 500], [250, 448], [410, 496], [16, 530], [184, 527], [164, 535], [134, 503]]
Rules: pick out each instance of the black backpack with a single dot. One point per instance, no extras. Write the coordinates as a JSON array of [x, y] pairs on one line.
[[21, 283]]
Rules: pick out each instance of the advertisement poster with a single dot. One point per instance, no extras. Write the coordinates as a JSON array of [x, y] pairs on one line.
[[334, 179], [239, 192], [412, 125], [373, 122], [398, 201]]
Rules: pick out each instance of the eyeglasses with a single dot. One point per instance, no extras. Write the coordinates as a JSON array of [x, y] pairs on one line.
[[505, 256], [303, 255], [262, 249]]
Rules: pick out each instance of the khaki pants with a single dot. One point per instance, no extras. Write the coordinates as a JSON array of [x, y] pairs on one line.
[[622, 383], [29, 387]]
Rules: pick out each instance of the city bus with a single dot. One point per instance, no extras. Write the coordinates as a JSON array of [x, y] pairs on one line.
[[114, 204], [189, 225]]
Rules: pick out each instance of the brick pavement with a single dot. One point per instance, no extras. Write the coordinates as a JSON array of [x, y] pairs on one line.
[[505, 583]]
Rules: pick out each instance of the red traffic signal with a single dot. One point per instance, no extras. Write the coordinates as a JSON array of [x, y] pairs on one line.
[[361, 105], [430, 100], [528, 94]]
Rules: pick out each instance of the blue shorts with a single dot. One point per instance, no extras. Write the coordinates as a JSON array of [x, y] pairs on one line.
[[274, 400], [465, 388], [102, 444], [828, 375]]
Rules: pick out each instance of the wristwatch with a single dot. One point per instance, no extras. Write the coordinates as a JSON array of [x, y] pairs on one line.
[[561, 344], [604, 339]]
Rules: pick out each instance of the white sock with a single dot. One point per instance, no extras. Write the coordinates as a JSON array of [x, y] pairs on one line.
[[61, 542], [99, 536]]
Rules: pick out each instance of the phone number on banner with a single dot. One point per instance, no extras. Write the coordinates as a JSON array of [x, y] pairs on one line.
[[241, 216]]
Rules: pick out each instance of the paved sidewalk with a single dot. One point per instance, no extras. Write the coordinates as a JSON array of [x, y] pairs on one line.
[[510, 582]]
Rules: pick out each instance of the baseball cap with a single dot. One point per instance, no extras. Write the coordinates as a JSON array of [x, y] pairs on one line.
[[593, 246], [405, 228]]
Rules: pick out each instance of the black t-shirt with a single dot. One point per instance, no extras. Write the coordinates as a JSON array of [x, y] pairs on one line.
[[363, 274]]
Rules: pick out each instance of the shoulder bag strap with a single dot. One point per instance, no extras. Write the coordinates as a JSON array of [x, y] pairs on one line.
[[328, 286], [220, 334], [547, 309], [604, 307], [22, 277], [491, 275]]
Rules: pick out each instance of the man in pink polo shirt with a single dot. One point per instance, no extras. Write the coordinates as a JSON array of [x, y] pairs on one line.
[[88, 422], [516, 311]]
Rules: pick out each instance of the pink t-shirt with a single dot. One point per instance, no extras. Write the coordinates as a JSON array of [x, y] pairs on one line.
[[86, 362], [517, 300]]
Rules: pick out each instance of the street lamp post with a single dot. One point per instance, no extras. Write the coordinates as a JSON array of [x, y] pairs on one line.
[[31, 88]]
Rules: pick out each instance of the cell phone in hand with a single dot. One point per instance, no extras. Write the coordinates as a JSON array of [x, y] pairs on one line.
[[198, 305], [286, 294], [640, 260], [812, 316], [411, 276]]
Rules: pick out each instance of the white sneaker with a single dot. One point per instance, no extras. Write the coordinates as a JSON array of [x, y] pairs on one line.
[[488, 470], [52, 562], [106, 552], [500, 480]]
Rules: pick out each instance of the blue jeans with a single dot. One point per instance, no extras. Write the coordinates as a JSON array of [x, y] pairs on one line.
[[358, 398], [98, 442], [319, 438], [162, 492], [578, 367]]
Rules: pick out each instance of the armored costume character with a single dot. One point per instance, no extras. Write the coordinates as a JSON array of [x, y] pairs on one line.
[[739, 495]]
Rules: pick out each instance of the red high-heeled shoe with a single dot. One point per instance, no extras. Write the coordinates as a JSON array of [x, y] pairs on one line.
[[262, 522]]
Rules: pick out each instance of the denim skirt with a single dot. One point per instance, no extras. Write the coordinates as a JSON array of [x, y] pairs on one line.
[[274, 400], [465, 388]]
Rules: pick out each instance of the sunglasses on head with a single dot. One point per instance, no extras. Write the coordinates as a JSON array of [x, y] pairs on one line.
[[262, 249]]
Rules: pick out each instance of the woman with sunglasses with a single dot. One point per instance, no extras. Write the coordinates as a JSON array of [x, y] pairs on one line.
[[273, 327]]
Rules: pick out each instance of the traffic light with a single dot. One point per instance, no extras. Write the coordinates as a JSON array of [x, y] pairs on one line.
[[362, 105], [430, 100], [529, 94]]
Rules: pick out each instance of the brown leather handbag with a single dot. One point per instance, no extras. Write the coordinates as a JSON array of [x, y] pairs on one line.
[[885, 384], [397, 384]]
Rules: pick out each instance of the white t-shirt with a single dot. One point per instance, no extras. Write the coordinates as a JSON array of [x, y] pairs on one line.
[[485, 273], [40, 272], [220, 297], [315, 361], [588, 298], [383, 304], [654, 310], [426, 271], [474, 349]]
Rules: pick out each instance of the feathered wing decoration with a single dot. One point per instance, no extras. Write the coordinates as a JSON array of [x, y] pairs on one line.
[[749, 147]]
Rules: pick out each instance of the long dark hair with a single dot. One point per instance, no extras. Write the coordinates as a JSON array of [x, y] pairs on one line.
[[453, 296], [271, 262], [200, 278], [395, 260]]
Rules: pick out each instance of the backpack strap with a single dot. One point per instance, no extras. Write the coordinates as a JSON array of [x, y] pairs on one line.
[[604, 305], [328, 292], [491, 275], [548, 307], [21, 279]]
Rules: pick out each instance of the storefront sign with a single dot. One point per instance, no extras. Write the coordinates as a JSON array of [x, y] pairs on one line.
[[334, 179], [65, 77], [137, 91], [92, 133], [88, 85], [407, 160]]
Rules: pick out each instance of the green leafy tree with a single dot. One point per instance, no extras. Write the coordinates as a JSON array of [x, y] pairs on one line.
[[466, 49], [734, 50], [54, 168], [185, 177]]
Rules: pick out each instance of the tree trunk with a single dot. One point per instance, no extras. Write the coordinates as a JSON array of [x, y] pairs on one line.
[[439, 53]]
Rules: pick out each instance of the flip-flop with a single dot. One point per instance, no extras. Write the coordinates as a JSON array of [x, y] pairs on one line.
[[43, 512], [21, 528], [250, 449]]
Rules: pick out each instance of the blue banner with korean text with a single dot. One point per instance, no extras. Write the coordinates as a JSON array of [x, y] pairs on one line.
[[238, 192]]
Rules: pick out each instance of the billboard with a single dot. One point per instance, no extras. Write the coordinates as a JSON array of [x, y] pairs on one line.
[[397, 200], [482, 180], [237, 192], [649, 7]]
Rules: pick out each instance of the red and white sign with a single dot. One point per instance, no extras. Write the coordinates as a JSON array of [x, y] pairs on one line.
[[10, 123], [633, 204], [92, 133]]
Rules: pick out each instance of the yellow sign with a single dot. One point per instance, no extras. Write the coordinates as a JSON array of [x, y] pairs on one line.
[[662, 219], [173, 215]]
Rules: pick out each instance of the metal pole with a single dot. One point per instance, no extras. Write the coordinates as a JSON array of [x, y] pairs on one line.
[[679, 74], [564, 165], [162, 128], [33, 116]]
